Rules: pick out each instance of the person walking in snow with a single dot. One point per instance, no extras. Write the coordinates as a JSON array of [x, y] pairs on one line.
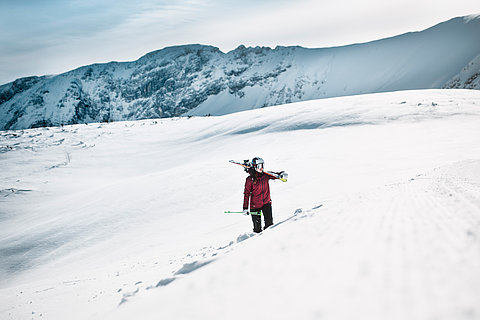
[[257, 192]]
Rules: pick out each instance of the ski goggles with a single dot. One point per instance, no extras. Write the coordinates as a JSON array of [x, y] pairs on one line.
[[259, 167]]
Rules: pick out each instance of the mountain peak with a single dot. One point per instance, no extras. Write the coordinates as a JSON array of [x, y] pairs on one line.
[[197, 79], [472, 17], [172, 51]]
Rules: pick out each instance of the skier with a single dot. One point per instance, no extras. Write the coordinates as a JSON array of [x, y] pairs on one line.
[[257, 192]]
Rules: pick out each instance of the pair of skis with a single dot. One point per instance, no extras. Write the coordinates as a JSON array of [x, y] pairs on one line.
[[282, 176]]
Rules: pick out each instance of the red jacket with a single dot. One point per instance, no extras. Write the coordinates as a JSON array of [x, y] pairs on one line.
[[257, 191]]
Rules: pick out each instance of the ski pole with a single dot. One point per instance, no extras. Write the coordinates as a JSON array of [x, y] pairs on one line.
[[252, 213]]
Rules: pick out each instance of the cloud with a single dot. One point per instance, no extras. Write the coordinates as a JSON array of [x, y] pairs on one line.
[[53, 36], [314, 23], [65, 19]]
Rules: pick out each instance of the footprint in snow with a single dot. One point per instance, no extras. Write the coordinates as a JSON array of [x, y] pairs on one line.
[[190, 267]]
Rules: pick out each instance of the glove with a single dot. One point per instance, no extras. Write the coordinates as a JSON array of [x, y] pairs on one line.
[[245, 212]]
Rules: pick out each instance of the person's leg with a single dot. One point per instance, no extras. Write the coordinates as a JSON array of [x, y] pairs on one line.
[[257, 223], [267, 215]]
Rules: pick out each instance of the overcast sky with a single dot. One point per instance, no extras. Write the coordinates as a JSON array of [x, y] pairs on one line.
[[39, 37]]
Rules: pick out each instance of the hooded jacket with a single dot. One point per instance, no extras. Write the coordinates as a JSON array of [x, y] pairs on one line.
[[257, 190]]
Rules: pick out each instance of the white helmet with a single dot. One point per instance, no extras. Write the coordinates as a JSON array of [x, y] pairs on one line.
[[258, 164]]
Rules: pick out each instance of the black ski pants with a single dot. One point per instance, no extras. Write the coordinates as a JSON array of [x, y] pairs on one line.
[[267, 217]]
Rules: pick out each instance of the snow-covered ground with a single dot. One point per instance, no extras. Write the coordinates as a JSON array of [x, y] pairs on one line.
[[380, 218]]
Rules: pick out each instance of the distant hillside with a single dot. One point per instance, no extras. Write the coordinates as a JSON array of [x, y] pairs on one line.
[[202, 80]]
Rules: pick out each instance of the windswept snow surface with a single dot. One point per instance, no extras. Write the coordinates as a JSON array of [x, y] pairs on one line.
[[380, 218]]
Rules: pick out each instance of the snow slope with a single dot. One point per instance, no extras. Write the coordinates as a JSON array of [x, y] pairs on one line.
[[202, 80], [380, 218], [468, 78]]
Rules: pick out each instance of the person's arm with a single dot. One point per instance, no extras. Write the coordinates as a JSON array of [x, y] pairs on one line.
[[247, 192]]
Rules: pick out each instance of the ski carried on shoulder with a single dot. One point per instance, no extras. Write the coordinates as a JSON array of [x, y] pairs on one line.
[[282, 175]]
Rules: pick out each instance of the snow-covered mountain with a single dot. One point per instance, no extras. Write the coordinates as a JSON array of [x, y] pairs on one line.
[[468, 78], [380, 218], [201, 80]]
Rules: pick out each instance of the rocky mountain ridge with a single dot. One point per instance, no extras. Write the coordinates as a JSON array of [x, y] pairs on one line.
[[202, 80]]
